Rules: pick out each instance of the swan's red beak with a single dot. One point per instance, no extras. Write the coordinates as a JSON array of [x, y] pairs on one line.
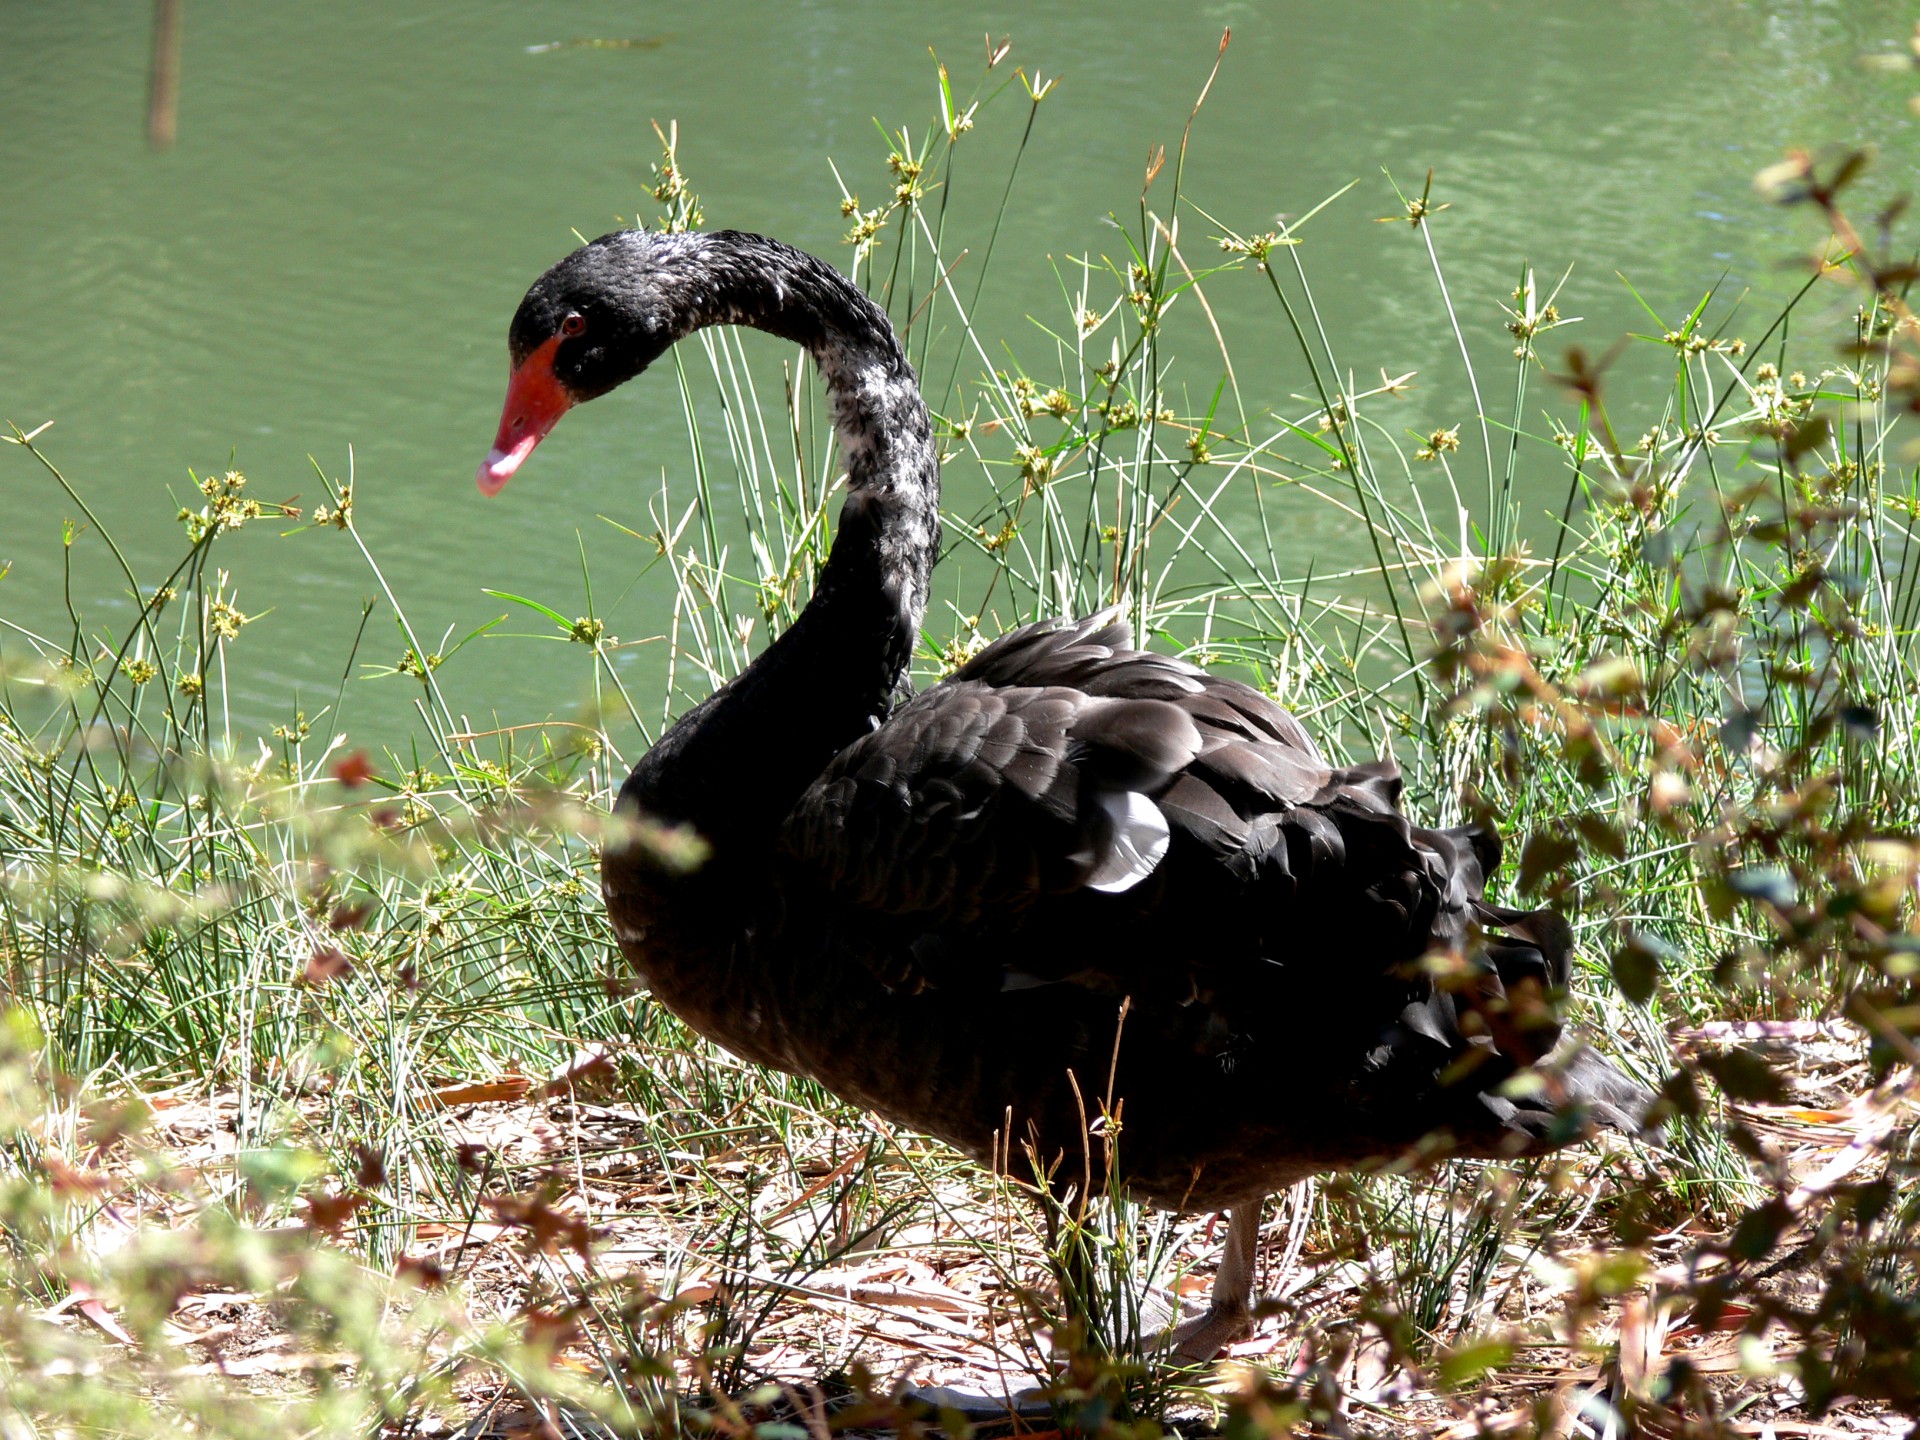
[[535, 402]]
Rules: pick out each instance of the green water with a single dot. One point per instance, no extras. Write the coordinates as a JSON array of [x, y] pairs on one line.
[[325, 263]]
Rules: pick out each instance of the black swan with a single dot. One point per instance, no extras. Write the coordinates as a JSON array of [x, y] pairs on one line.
[[1074, 874]]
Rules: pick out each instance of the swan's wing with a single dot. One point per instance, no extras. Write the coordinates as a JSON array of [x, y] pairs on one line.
[[1067, 810], [1058, 760]]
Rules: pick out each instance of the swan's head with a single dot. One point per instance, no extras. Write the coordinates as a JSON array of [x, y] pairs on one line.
[[594, 321]]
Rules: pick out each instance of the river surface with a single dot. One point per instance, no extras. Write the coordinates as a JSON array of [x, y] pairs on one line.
[[325, 262]]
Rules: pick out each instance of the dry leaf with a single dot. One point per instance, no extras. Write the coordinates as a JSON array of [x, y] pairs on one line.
[[483, 1092]]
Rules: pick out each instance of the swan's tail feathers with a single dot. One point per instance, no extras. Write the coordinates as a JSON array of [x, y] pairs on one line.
[[1480, 981], [1573, 1093], [1562, 1089], [1476, 1043], [1559, 1089]]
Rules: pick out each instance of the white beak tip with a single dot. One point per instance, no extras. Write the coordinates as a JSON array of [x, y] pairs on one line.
[[496, 470]]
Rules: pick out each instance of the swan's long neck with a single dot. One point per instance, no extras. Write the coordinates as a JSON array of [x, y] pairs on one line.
[[734, 765]]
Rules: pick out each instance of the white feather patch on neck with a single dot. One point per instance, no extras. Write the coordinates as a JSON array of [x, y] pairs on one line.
[[1140, 839]]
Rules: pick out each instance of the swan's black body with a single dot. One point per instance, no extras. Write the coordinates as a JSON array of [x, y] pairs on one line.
[[938, 909]]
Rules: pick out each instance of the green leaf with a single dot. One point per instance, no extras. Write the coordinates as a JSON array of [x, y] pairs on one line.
[[553, 615], [1617, 1273], [278, 1172], [1465, 1364]]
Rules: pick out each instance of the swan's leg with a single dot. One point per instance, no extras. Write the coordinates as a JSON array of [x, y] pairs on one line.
[[1228, 1317], [1229, 1313]]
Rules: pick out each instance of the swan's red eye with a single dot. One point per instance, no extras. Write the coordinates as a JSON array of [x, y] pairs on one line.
[[573, 324]]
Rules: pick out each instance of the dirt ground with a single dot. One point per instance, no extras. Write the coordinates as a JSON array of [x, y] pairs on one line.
[[877, 1248]]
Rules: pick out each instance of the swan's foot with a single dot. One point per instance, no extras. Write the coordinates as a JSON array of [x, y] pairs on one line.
[[1200, 1340], [1229, 1314], [978, 1409]]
